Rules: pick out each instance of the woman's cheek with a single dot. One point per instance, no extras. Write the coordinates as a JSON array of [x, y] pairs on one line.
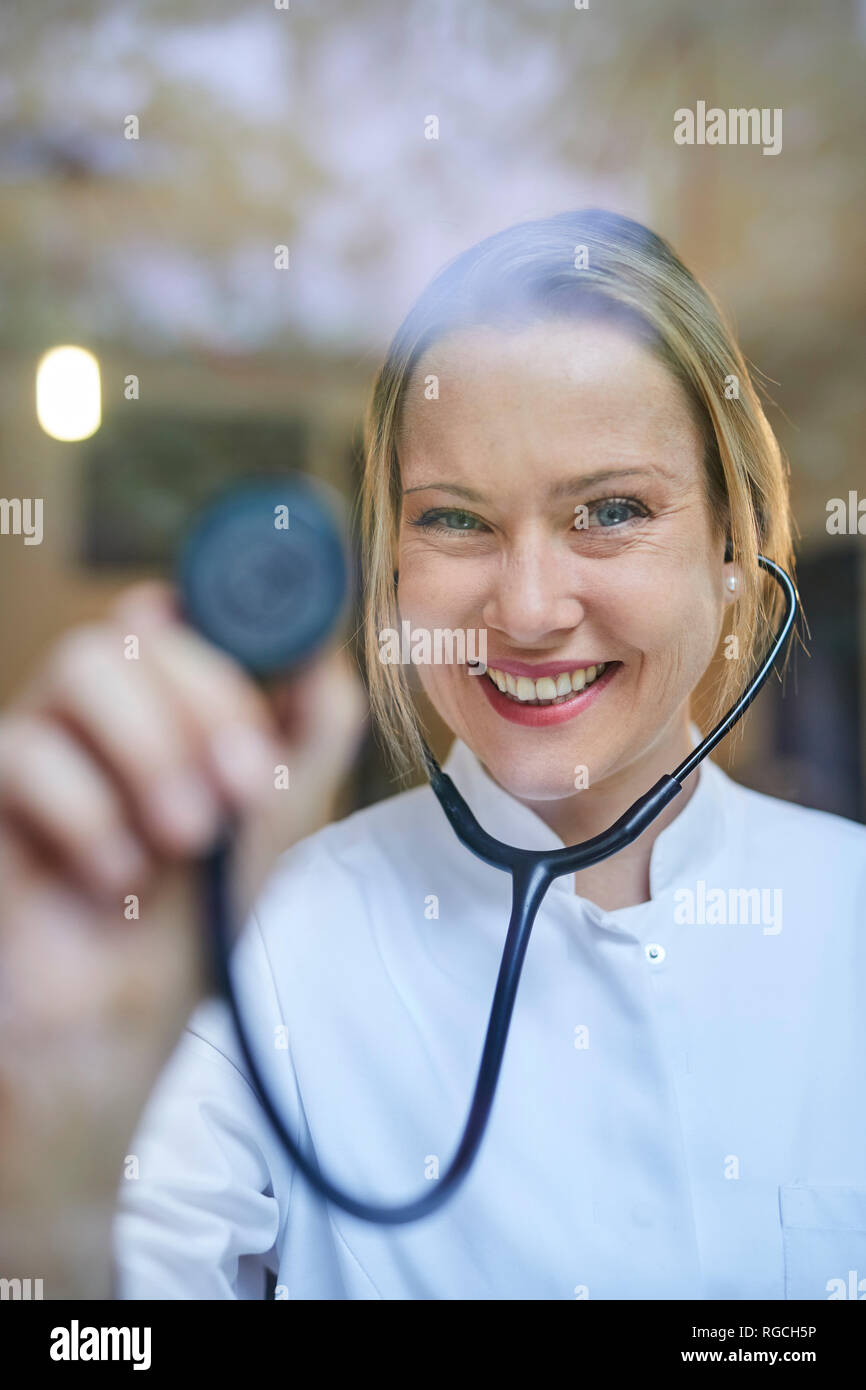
[[436, 598], [684, 641], [430, 603]]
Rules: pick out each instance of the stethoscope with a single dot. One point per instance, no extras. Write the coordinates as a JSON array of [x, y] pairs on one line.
[[532, 872]]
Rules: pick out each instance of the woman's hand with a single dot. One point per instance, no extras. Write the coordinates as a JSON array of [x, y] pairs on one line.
[[118, 765]]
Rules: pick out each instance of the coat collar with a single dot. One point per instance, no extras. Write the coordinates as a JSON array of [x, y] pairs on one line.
[[681, 851]]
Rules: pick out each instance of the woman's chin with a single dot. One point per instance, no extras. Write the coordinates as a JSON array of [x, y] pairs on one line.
[[534, 779], [540, 751]]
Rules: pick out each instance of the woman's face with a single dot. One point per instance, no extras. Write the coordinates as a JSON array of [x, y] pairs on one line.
[[554, 498]]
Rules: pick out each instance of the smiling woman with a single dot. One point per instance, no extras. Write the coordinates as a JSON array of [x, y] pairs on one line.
[[514, 367], [640, 589], [557, 459]]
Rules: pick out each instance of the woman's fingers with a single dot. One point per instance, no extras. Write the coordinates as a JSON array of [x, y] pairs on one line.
[[138, 739], [152, 603], [50, 787], [224, 716], [153, 708], [113, 702]]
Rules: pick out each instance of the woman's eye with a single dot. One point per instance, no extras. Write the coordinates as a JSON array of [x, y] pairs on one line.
[[445, 519], [613, 511]]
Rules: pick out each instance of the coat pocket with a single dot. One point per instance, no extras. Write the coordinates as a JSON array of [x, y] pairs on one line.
[[824, 1239]]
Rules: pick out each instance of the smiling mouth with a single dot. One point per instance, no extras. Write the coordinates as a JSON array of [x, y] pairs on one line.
[[547, 690]]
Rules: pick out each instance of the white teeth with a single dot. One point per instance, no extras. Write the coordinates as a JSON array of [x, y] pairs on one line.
[[547, 689]]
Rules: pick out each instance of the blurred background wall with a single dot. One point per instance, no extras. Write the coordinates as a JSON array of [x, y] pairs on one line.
[[154, 154]]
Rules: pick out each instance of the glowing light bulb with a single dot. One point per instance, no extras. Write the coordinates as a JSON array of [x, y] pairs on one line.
[[68, 393]]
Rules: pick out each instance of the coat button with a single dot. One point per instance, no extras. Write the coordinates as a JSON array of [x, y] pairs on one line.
[[655, 952]]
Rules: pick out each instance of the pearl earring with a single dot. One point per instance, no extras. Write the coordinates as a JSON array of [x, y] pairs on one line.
[[731, 582]]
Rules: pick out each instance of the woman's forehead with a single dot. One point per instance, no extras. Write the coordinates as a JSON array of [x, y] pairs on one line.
[[565, 345], [544, 397]]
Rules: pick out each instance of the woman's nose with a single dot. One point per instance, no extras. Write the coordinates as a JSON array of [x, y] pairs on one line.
[[533, 595]]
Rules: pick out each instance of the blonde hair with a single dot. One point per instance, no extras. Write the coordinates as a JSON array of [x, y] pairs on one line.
[[576, 264]]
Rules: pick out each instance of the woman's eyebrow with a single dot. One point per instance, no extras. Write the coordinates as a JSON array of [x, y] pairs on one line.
[[565, 488], [446, 487], [604, 475]]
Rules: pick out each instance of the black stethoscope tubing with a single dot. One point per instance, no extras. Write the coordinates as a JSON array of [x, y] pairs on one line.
[[532, 872]]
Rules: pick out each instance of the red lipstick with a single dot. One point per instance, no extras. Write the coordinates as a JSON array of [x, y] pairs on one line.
[[543, 716]]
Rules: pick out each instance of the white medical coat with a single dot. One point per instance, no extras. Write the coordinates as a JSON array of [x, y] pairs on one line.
[[681, 1108]]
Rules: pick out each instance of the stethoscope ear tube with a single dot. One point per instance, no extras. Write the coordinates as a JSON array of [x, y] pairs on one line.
[[780, 641], [532, 872]]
